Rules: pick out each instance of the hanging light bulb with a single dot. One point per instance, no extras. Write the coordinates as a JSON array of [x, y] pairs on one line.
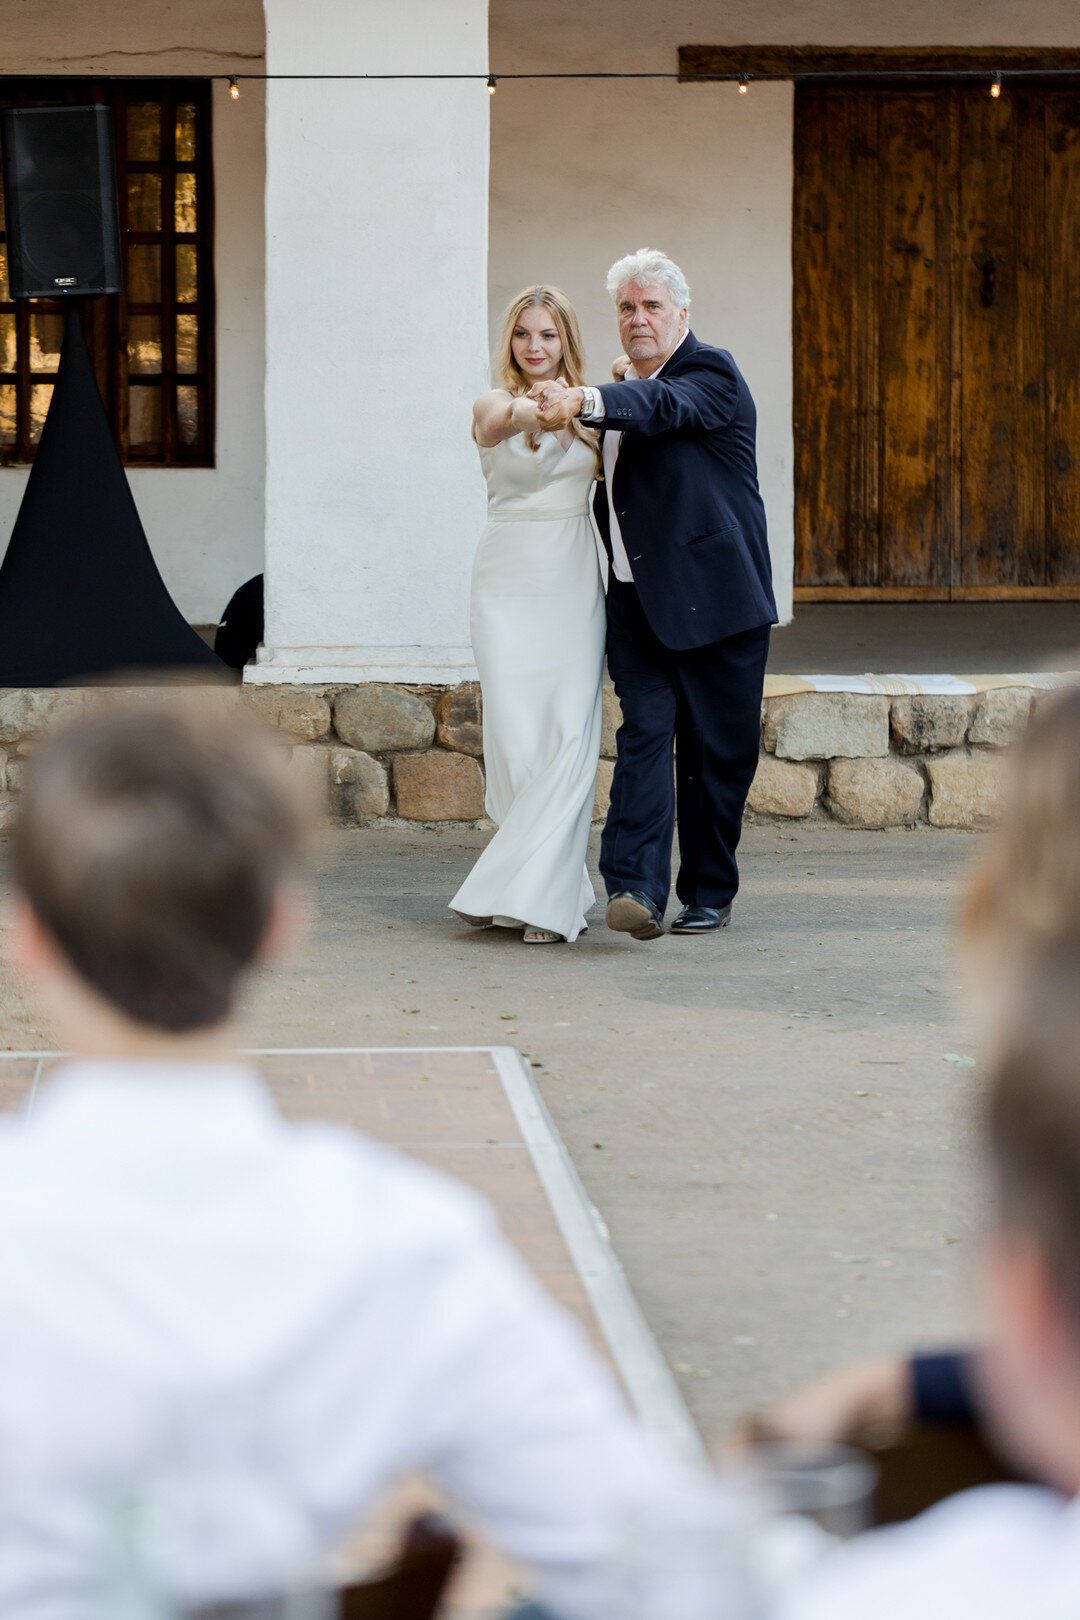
[[491, 84], [744, 84], [995, 87], [234, 88]]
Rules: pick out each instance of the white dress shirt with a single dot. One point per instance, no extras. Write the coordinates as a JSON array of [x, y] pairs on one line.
[[195, 1291], [1003, 1552], [591, 414]]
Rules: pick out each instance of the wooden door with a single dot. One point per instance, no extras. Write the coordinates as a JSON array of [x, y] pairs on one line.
[[937, 343]]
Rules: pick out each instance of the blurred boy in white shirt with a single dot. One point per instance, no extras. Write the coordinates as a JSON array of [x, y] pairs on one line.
[[1004, 1552], [192, 1287]]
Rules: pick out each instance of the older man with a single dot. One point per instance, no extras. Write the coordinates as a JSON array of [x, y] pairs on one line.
[[690, 601]]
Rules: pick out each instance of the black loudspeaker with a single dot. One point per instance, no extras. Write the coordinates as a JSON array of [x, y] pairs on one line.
[[63, 231]]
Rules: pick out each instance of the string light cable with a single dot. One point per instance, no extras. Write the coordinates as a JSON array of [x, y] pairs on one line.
[[737, 76]]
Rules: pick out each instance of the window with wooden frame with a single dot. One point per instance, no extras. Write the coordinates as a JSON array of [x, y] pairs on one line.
[[153, 344]]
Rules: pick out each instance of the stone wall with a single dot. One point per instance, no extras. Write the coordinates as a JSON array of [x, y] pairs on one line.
[[875, 761], [415, 753], [371, 751]]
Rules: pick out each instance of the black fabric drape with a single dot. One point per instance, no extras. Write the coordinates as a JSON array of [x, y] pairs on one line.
[[80, 593], [241, 628]]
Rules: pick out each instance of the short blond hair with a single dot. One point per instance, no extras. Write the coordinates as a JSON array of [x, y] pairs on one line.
[[150, 842], [1025, 889], [1031, 1114]]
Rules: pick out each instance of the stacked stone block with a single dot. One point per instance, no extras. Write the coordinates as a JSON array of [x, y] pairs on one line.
[[408, 752], [872, 761], [415, 754]]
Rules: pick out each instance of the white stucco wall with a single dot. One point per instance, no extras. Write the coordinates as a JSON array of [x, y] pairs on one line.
[[580, 172], [585, 171], [376, 199], [205, 526]]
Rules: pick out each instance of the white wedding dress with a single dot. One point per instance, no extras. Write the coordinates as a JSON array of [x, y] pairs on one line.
[[538, 635]]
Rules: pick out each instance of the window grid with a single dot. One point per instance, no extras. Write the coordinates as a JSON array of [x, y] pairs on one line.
[[181, 401]]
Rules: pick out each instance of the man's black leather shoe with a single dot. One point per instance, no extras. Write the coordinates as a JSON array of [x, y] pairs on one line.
[[701, 919], [633, 913]]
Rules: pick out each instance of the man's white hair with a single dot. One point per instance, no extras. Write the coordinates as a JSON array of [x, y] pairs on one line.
[[649, 268]]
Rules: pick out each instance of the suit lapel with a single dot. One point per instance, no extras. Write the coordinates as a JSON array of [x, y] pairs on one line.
[[682, 354], [600, 500]]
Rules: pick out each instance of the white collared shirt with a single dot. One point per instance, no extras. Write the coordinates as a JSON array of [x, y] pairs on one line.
[[194, 1289], [593, 413], [1003, 1552]]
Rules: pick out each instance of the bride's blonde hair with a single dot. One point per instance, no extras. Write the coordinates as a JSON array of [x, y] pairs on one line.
[[509, 375]]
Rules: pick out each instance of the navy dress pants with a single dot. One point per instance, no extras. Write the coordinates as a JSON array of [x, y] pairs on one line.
[[704, 706]]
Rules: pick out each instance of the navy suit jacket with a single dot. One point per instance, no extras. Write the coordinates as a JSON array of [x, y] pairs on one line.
[[686, 491]]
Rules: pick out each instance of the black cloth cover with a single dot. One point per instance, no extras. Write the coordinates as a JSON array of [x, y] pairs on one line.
[[241, 628], [80, 593]]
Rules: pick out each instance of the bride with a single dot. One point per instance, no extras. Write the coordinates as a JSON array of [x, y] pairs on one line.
[[538, 636]]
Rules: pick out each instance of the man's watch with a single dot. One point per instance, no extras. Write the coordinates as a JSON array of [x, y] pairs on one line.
[[586, 408]]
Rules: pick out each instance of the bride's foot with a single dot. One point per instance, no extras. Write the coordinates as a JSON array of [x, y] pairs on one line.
[[474, 922], [542, 936]]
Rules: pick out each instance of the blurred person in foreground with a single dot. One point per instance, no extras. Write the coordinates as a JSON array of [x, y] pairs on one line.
[[195, 1290], [1003, 1551], [1021, 903]]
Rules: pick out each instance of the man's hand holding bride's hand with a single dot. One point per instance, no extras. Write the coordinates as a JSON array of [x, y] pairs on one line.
[[542, 391], [556, 404]]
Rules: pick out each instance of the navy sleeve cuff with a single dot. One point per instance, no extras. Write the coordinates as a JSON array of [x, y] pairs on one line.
[[942, 1388]]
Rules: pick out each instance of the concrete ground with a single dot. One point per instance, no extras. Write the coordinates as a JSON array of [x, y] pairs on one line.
[[773, 1122], [919, 638]]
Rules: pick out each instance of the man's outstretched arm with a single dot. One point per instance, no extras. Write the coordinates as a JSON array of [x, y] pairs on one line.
[[699, 400]]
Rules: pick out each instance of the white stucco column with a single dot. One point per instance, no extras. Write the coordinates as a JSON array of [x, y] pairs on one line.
[[376, 338]]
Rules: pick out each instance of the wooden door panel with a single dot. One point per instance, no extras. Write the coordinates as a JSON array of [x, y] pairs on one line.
[[937, 340], [1030, 538], [913, 358], [824, 422], [863, 382], [986, 307], [1063, 337]]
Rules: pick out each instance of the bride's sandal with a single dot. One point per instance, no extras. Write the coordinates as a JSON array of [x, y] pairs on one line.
[[474, 922], [542, 936]]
